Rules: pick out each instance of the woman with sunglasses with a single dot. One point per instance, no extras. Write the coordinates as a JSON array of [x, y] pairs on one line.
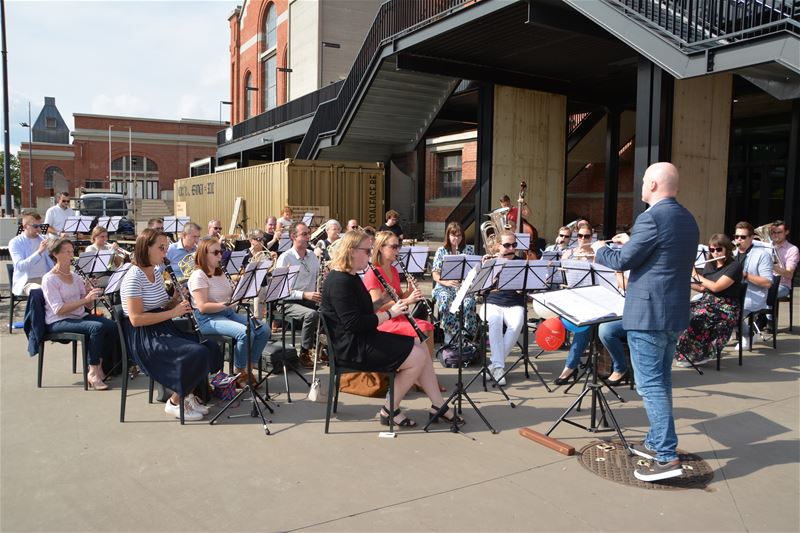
[[444, 291], [354, 320], [210, 291], [172, 357], [713, 316]]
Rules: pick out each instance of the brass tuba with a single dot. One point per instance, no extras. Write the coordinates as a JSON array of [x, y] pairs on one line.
[[491, 228], [763, 233]]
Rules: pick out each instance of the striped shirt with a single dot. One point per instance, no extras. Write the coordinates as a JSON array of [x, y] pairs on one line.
[[136, 285]]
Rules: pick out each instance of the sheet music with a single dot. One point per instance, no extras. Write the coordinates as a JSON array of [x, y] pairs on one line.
[[552, 255], [308, 218], [585, 305], [606, 277], [452, 265], [524, 275], [285, 242], [110, 223], [577, 273], [95, 262], [78, 224], [413, 258], [702, 256], [523, 241], [173, 224], [462, 290], [115, 280], [234, 264], [250, 282]]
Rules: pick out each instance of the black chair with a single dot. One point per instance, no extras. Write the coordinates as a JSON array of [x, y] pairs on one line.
[[14, 298], [74, 339], [771, 310], [790, 300], [742, 294], [336, 371]]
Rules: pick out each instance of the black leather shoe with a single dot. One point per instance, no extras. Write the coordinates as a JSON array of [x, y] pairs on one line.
[[563, 381], [615, 382]]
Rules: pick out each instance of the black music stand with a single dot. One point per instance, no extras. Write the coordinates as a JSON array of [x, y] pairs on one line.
[[279, 288], [475, 281], [246, 289], [175, 225], [110, 223], [588, 306], [42, 229]]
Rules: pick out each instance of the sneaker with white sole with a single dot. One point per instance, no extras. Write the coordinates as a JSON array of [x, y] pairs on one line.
[[656, 471], [497, 374], [642, 451], [702, 361], [196, 405], [745, 345], [189, 413], [683, 364]]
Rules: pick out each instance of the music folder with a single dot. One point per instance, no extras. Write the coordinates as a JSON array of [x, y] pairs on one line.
[[584, 306]]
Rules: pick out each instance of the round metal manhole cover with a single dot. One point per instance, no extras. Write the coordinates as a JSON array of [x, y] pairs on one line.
[[610, 460]]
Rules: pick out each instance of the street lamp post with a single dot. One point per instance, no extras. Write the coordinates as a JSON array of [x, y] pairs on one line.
[[325, 44], [29, 125], [109, 155]]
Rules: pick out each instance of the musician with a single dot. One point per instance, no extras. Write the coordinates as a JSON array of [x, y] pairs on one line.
[[99, 239], [504, 308], [302, 302], [562, 240], [186, 245], [286, 217], [583, 249], [57, 216], [788, 254], [210, 291], [156, 223], [756, 274], [352, 224], [351, 315], [29, 255], [713, 316], [67, 302], [215, 228], [271, 235], [392, 225], [332, 232], [444, 291], [173, 358]]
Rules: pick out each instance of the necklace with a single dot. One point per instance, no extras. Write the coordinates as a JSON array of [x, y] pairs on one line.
[[61, 272]]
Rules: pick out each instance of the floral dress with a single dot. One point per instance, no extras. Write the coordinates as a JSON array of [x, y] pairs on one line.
[[444, 296]]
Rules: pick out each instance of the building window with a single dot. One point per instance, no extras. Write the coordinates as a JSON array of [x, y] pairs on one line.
[[95, 184], [450, 175], [50, 122], [269, 59], [142, 171], [248, 100], [51, 173], [271, 28], [270, 82]]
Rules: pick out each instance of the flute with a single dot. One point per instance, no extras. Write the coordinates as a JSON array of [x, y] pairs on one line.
[[413, 284], [393, 295], [190, 314]]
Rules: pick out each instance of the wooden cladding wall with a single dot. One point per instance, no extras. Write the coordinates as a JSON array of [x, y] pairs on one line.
[[349, 189], [529, 144]]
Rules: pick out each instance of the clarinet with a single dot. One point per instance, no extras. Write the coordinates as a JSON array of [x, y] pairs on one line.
[[91, 282], [190, 314], [393, 295], [413, 284]]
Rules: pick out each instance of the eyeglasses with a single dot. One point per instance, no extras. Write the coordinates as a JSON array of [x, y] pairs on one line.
[[740, 237], [508, 245], [715, 250], [564, 236], [368, 250], [392, 246], [217, 228], [37, 226], [775, 231], [215, 252], [584, 235]]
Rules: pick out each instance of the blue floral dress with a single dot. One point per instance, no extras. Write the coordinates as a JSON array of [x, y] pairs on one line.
[[444, 296]]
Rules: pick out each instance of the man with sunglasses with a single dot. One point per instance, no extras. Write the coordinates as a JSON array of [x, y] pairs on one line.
[[504, 308], [304, 298], [562, 241], [756, 274], [215, 229], [29, 255], [659, 253], [57, 215]]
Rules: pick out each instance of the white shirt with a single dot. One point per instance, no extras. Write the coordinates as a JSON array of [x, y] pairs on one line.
[[306, 280], [219, 288], [56, 217]]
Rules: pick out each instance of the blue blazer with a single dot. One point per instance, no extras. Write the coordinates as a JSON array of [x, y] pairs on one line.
[[660, 255]]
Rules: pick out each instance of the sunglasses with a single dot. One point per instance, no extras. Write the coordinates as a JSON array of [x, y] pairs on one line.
[[508, 245], [564, 236], [217, 228], [215, 252], [716, 250], [584, 235], [740, 237], [392, 246], [37, 226]]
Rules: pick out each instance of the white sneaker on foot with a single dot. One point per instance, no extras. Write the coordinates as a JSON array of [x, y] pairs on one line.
[[497, 374], [196, 405], [188, 412], [745, 345]]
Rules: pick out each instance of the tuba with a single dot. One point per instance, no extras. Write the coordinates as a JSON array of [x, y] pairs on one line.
[[491, 228], [763, 233]]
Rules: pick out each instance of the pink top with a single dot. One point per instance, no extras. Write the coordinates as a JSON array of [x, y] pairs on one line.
[[790, 256], [58, 292], [219, 288]]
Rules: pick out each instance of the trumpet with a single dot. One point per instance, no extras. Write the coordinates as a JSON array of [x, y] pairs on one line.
[[393, 295]]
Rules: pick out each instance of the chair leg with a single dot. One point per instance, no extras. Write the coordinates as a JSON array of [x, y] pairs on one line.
[[123, 388], [741, 339], [11, 315], [40, 365], [331, 381], [74, 358], [150, 391], [391, 402], [337, 384], [83, 362], [180, 408]]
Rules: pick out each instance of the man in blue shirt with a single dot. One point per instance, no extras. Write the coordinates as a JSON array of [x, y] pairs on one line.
[[29, 255], [185, 246]]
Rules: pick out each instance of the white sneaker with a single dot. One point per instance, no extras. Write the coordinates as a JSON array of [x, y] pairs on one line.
[[196, 405], [745, 345], [702, 361], [188, 412], [497, 374], [683, 364]]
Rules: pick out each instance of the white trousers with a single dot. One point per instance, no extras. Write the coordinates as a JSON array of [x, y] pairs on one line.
[[501, 343]]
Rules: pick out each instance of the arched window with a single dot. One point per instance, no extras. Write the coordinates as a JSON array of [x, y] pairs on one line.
[[248, 100], [269, 60], [271, 28], [49, 174], [139, 170]]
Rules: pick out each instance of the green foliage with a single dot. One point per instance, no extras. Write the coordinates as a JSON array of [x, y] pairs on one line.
[[15, 178]]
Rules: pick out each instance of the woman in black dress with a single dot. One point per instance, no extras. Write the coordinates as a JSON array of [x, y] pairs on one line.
[[173, 358], [351, 314]]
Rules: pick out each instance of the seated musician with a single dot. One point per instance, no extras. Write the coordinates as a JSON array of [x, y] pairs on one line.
[[351, 315], [713, 316], [100, 242], [215, 228], [271, 235], [302, 302], [286, 219], [156, 224], [562, 240], [184, 246], [67, 302], [29, 255], [582, 249], [392, 224], [210, 291], [351, 225], [504, 308], [788, 254], [175, 359], [332, 234], [444, 291], [756, 274]]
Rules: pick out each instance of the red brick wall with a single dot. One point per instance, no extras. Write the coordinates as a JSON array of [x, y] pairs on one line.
[[469, 168]]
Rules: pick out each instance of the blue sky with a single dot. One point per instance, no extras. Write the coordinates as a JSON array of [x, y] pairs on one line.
[[149, 59]]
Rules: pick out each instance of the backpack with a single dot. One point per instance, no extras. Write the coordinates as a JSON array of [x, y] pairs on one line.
[[448, 355]]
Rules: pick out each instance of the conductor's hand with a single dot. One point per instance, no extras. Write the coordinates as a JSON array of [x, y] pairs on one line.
[[620, 238], [399, 308], [597, 245], [313, 296], [183, 308]]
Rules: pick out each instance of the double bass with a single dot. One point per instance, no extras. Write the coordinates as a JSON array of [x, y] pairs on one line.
[[523, 226]]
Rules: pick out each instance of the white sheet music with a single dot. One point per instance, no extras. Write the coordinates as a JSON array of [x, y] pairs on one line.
[[702, 256], [308, 218], [284, 243], [234, 264], [523, 241], [451, 266], [584, 305], [462, 290], [416, 257], [95, 262], [78, 224], [115, 280], [110, 223], [577, 273]]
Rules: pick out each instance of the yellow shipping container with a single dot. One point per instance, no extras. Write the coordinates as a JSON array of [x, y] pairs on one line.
[[348, 189]]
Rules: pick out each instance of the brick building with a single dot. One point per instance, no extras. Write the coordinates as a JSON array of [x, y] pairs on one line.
[[159, 152]]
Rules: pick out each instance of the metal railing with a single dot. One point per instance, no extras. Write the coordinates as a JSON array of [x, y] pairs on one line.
[[394, 19], [698, 24], [292, 110]]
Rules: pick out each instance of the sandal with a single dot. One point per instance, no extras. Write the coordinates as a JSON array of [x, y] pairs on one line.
[[404, 423], [449, 419]]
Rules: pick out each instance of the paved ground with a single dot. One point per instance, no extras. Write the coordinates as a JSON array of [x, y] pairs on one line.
[[67, 464]]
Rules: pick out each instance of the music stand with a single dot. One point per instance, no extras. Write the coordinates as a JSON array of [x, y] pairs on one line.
[[588, 306], [236, 261], [284, 243], [94, 262], [175, 225], [476, 280], [115, 281], [42, 229], [110, 223], [78, 224], [413, 258], [247, 288], [523, 241]]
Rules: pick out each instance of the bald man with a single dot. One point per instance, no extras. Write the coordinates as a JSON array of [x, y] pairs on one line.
[[659, 253]]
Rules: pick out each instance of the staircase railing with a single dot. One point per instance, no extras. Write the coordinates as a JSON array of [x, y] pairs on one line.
[[394, 18]]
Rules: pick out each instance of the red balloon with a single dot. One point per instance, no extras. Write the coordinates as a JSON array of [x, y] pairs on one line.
[[550, 334]]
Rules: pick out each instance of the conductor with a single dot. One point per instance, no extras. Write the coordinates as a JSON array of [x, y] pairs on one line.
[[656, 307]]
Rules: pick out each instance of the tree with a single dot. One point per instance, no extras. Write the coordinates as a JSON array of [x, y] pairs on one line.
[[15, 178]]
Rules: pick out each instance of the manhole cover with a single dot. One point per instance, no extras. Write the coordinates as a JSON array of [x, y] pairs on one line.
[[610, 460]]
